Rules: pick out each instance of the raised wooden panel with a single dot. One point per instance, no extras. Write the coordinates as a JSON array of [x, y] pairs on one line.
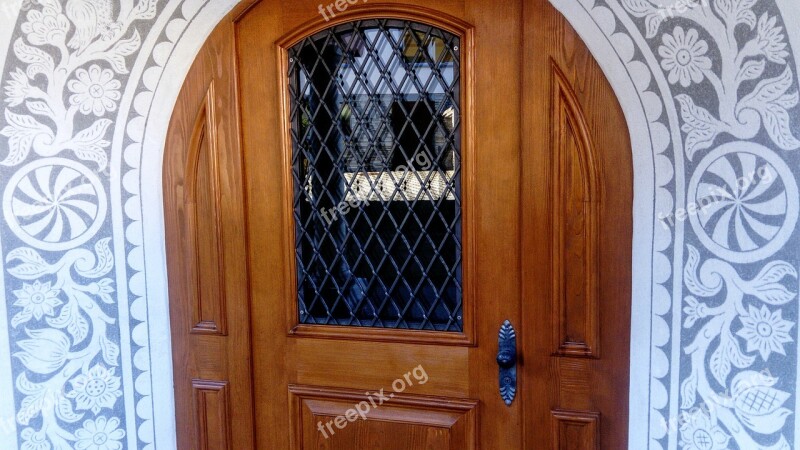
[[576, 430], [318, 365], [205, 225], [204, 222], [344, 419], [576, 195], [212, 414], [574, 376]]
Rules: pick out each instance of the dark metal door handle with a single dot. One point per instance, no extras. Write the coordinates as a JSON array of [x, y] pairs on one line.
[[507, 362]]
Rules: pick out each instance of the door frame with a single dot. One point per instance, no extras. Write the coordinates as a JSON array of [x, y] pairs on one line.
[[627, 95]]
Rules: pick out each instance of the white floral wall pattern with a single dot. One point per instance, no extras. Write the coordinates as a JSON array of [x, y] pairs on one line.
[[713, 83]]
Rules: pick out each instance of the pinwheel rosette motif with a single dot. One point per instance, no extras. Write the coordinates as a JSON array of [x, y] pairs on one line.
[[740, 202], [55, 204]]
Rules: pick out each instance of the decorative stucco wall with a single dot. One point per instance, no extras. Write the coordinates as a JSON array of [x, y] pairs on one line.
[[710, 91]]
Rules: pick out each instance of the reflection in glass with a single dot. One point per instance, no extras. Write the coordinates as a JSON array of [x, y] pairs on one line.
[[376, 162]]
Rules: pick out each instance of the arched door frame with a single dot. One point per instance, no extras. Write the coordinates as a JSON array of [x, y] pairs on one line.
[[604, 49]]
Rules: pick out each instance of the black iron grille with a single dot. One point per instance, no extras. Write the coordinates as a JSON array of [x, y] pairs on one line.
[[376, 162]]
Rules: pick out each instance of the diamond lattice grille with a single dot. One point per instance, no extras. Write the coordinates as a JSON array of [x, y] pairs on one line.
[[376, 163]]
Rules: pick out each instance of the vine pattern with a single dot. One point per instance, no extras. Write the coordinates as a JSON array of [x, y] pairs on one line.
[[61, 99], [742, 203]]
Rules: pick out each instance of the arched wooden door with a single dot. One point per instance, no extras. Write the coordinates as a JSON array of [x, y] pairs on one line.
[[400, 225]]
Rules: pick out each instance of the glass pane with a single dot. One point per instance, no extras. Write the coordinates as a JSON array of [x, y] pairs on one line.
[[376, 162]]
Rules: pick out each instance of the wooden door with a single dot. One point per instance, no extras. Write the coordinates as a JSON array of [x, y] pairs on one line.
[[517, 220]]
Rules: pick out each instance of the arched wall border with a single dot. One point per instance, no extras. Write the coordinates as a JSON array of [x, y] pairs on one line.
[[174, 37]]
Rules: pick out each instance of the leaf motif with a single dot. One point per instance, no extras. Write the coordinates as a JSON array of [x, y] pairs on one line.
[[652, 24], [766, 285], [778, 125], [639, 8], [65, 411], [117, 63], [30, 407], [89, 144], [720, 365], [751, 70], [146, 9], [39, 61], [788, 101], [771, 101], [507, 331], [774, 272], [110, 351], [40, 108], [734, 352], [735, 12], [21, 132], [105, 260], [27, 271], [127, 47], [768, 90], [689, 391], [33, 265], [691, 281], [20, 318], [27, 387], [701, 127], [72, 319]]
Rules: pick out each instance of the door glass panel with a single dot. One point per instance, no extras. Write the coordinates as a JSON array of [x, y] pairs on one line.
[[376, 161]]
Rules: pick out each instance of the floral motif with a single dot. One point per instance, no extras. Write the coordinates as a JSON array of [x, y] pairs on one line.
[[769, 40], [95, 91], [765, 331], [47, 26], [17, 88], [684, 57], [699, 432], [100, 434], [754, 403], [45, 352], [695, 311], [37, 300], [34, 440], [96, 389]]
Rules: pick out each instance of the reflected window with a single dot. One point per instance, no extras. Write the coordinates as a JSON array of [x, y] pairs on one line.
[[376, 125]]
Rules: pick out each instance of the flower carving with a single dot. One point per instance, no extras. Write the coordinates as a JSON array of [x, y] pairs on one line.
[[96, 389], [769, 40], [45, 352], [95, 91], [17, 88], [47, 26], [765, 331], [684, 57], [34, 440], [100, 434], [699, 432], [37, 300], [695, 310]]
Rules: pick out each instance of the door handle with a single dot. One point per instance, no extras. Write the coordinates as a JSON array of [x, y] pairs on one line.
[[507, 362]]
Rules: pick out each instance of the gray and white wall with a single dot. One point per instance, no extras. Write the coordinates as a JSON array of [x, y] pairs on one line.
[[710, 92]]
